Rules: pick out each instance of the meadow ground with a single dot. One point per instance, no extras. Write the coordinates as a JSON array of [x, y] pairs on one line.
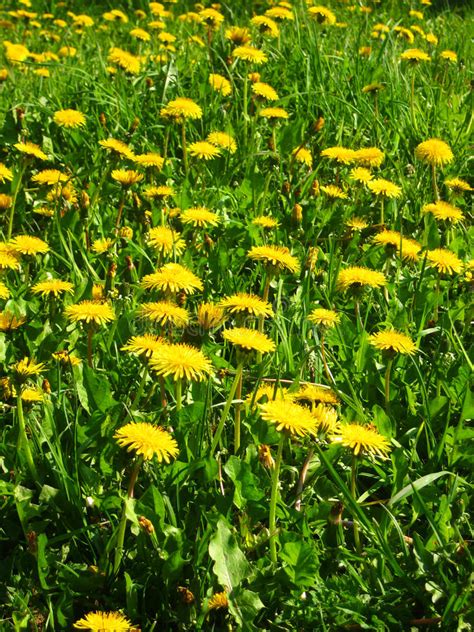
[[234, 305]]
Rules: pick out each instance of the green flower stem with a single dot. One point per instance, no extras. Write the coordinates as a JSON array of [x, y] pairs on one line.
[[185, 150], [388, 372], [23, 445], [266, 292], [140, 390], [228, 404], [354, 496], [90, 334], [178, 388], [435, 184], [274, 498], [382, 210], [245, 108], [15, 196], [120, 212], [123, 519], [412, 100], [238, 407]]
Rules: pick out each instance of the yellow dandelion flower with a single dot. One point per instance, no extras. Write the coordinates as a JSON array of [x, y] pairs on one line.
[[27, 245], [342, 155], [250, 54], [435, 152], [126, 177], [210, 316], [199, 216], [90, 312], [326, 419], [457, 185], [289, 417], [9, 259], [172, 277], [4, 291], [324, 317], [147, 441], [432, 39], [444, 211], [265, 91], [10, 322], [181, 361], [145, 344], [5, 201], [218, 601], [15, 53], [369, 157], [357, 277], [362, 439], [249, 340], [280, 13], [140, 34], [356, 223], [164, 313], [274, 113], [316, 395], [102, 245], [220, 84], [268, 392], [406, 34], [115, 16], [159, 192], [5, 173], [303, 155], [373, 88], [266, 25], [181, 109], [211, 17], [52, 287], [360, 174], [203, 150], [32, 395], [66, 358], [444, 261], [388, 238], [393, 342], [410, 250], [119, 147], [223, 140], [30, 149], [384, 188], [69, 118], [49, 176], [449, 55], [150, 159], [277, 257], [28, 367], [265, 221], [322, 15], [166, 240], [238, 34], [334, 192], [128, 62], [248, 304], [414, 56], [67, 51]]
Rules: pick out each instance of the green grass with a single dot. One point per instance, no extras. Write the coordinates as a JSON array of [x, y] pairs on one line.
[[394, 555]]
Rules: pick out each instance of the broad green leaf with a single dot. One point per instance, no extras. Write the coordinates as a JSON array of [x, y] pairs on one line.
[[230, 564], [301, 563], [247, 486]]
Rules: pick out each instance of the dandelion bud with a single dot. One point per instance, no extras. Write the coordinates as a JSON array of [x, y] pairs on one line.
[[32, 540], [297, 214], [85, 200], [149, 82], [315, 189], [265, 456], [46, 386], [186, 595], [318, 125], [5, 201], [112, 271], [286, 188], [254, 77], [146, 525], [126, 232], [3, 74], [103, 119], [134, 125]]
